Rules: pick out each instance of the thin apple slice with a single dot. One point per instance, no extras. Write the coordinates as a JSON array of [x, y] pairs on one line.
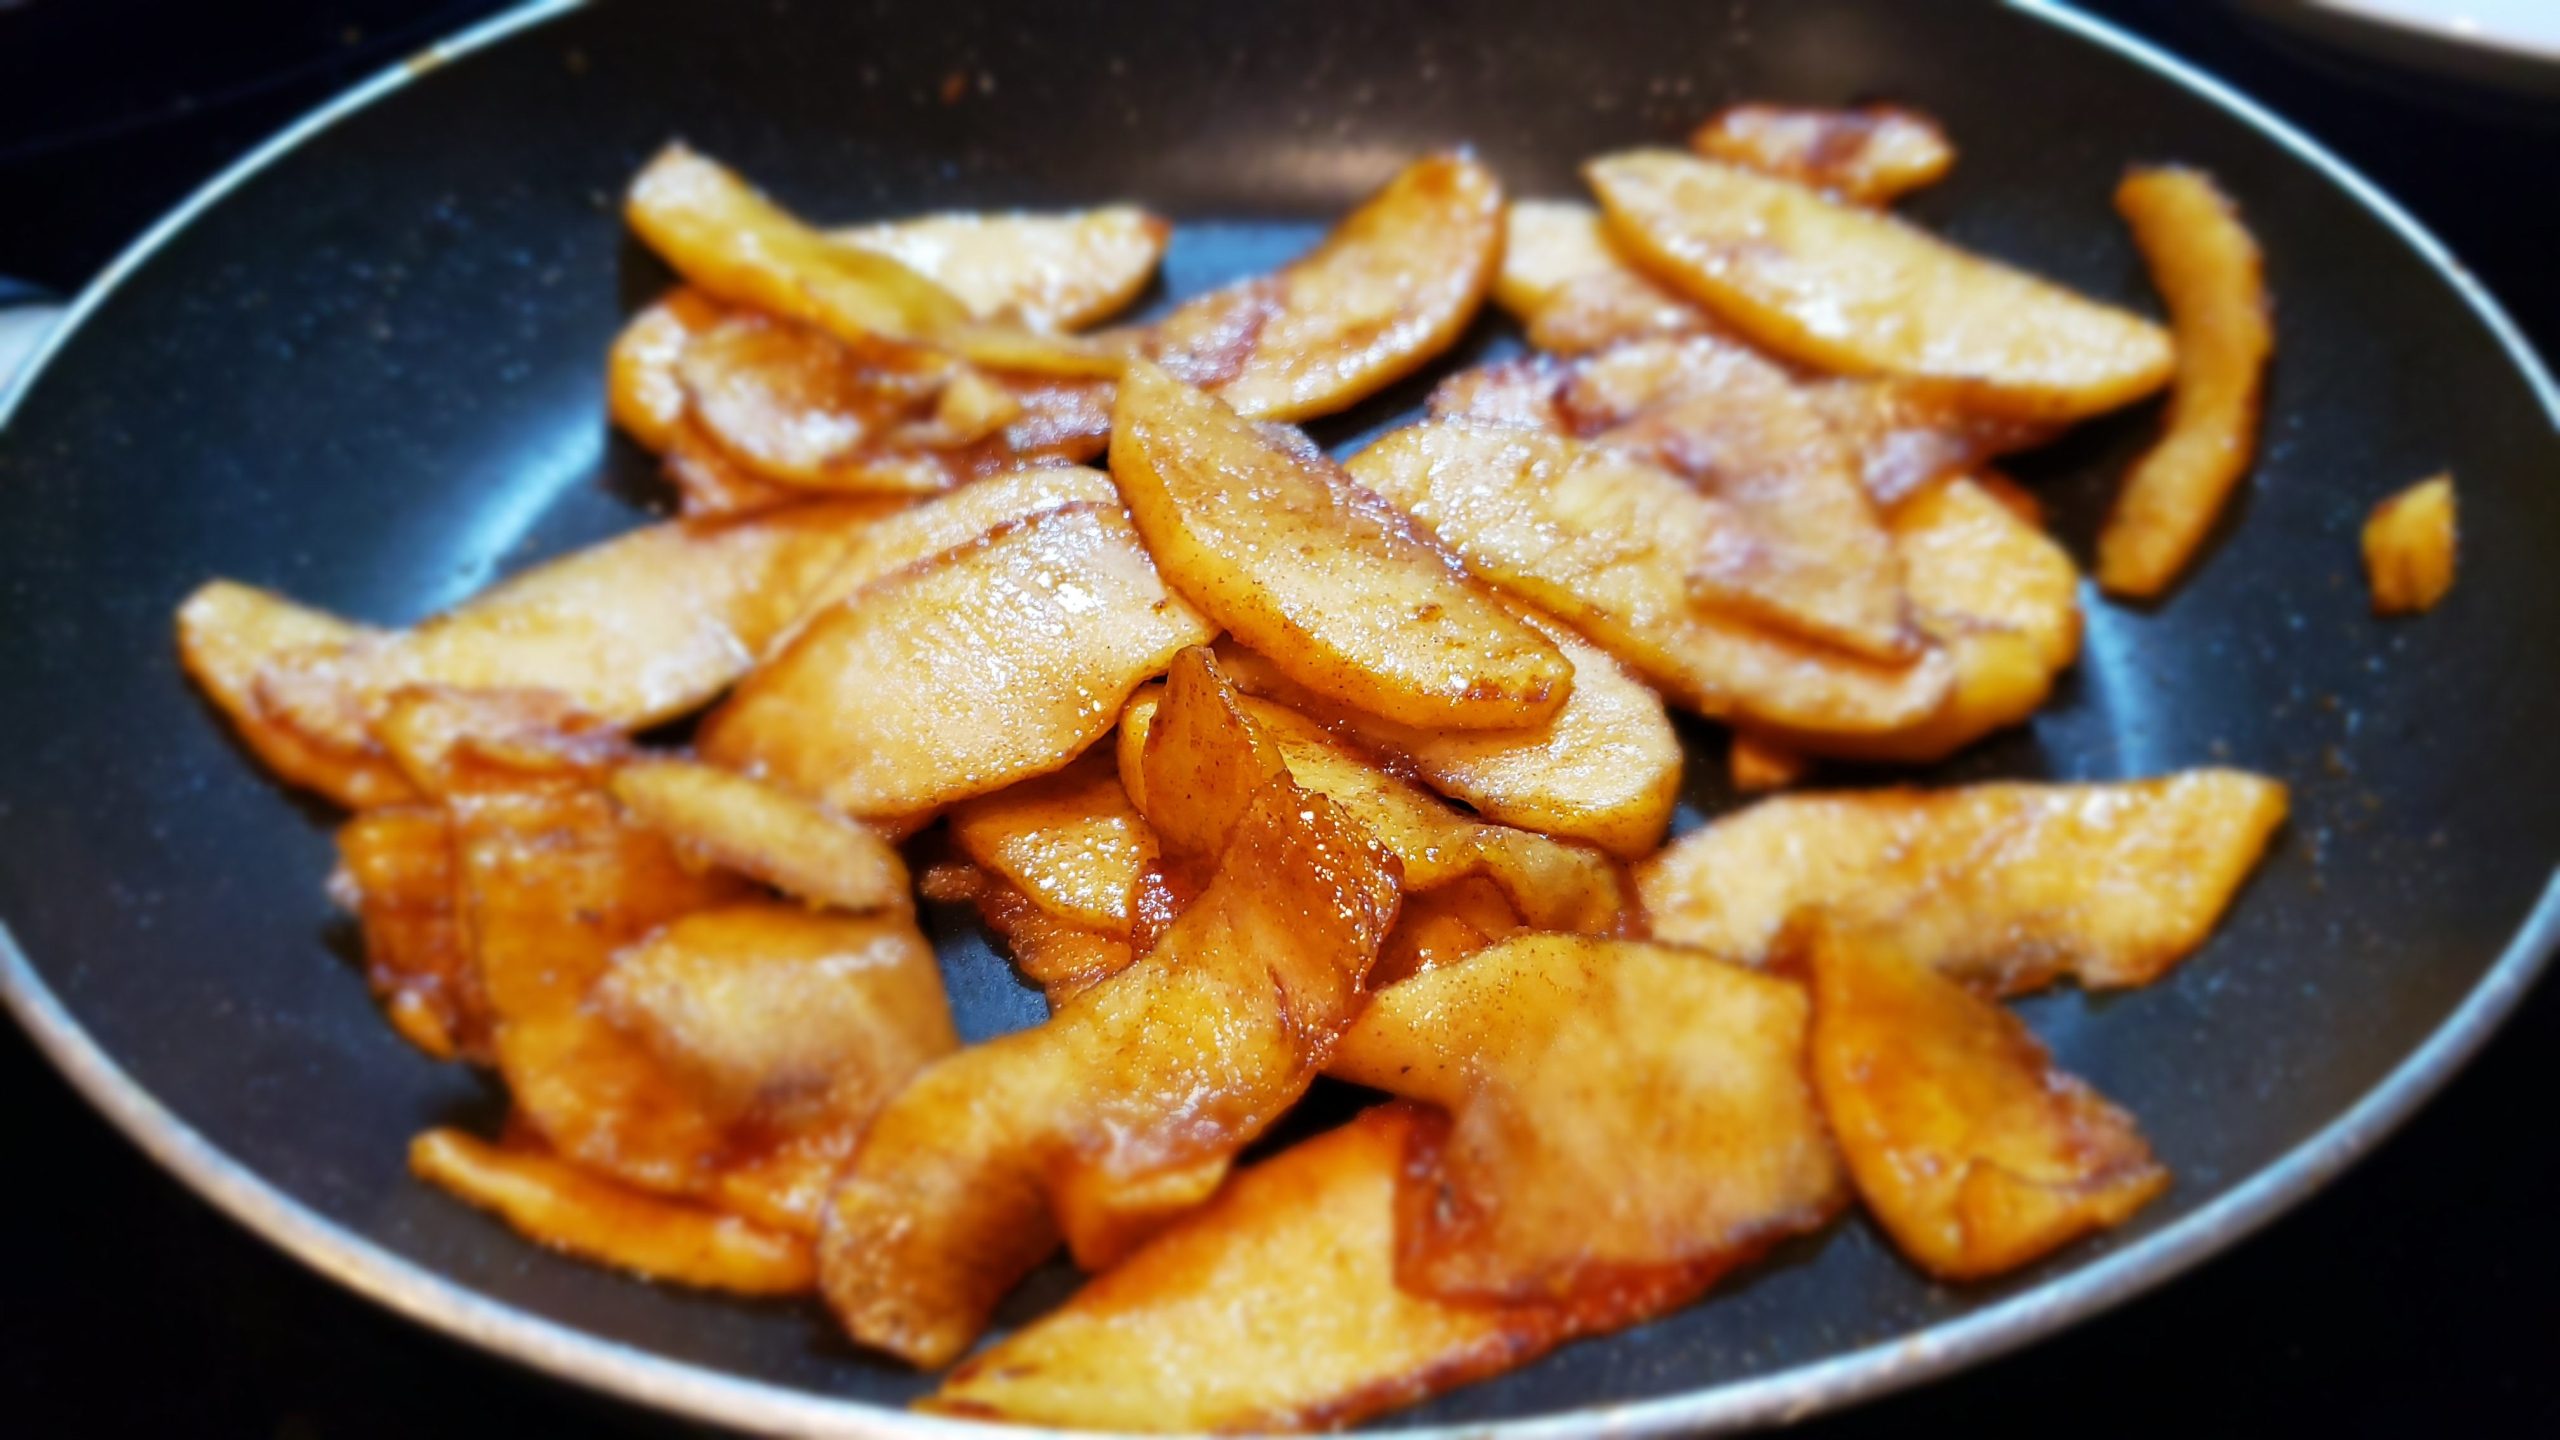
[[1125, 1108], [1606, 542], [1624, 1119], [1743, 431], [989, 664], [1974, 1151], [1556, 885], [735, 245], [232, 636], [1605, 770], [1338, 588], [1869, 155], [554, 1203], [2004, 885], [1392, 286], [1070, 842], [1061, 271], [638, 630], [1160, 1343], [1855, 291]]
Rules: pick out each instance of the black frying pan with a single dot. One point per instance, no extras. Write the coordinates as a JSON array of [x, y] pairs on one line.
[[365, 369]]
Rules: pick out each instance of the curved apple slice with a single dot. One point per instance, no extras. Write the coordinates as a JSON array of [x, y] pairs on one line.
[[1344, 593], [1049, 272], [1606, 542], [1859, 292], [1390, 288]]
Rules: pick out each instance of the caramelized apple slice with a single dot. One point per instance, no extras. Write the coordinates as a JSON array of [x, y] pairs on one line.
[[1606, 542], [737, 246], [550, 1201], [231, 636], [1626, 1119], [1392, 286], [1973, 1151], [1338, 588], [1563, 278], [1998, 595], [395, 864], [1071, 843], [1605, 770], [1125, 1107], [1160, 1343], [638, 630], [1816, 559], [1869, 155], [1050, 272], [795, 845], [1858, 292], [2004, 885], [991, 664], [2208, 269], [1554, 884]]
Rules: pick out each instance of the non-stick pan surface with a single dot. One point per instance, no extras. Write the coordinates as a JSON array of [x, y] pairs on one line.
[[366, 370]]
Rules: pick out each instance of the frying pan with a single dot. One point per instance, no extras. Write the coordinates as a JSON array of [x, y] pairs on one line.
[[364, 368]]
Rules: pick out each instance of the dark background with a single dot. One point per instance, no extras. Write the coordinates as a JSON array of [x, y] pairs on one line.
[[2415, 1295]]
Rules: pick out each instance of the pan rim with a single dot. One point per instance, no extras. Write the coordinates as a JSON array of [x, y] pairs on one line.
[[701, 1393]]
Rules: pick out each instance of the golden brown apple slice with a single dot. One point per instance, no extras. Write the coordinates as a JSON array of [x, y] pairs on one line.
[[1814, 558], [946, 523], [637, 630], [552, 884], [1606, 542], [2003, 600], [231, 636], [1605, 770], [1071, 842], [1563, 278], [1392, 286], [1336, 587], [2410, 542], [797, 407], [2208, 269], [1443, 926], [795, 845], [1126, 1106], [1869, 155], [2004, 885], [1972, 1149], [1555, 884], [552, 1202], [1625, 1119], [732, 243], [957, 677], [395, 864], [1161, 1344], [788, 1014], [1061, 271], [1855, 291]]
